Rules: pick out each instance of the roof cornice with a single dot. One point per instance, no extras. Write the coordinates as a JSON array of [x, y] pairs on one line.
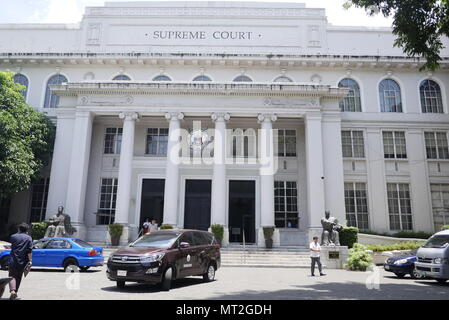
[[216, 59]]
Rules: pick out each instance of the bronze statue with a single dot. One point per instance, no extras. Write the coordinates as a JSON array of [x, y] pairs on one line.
[[60, 225], [331, 227]]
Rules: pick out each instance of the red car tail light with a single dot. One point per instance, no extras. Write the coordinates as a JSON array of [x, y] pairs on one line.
[[93, 253]]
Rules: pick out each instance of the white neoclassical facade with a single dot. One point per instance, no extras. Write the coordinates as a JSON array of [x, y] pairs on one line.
[[235, 113]]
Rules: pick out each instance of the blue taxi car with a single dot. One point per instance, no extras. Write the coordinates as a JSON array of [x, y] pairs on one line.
[[403, 265], [67, 253]]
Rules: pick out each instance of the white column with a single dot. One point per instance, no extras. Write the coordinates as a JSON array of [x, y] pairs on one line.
[[59, 175], [79, 166], [377, 195], [218, 201], [419, 182], [334, 186], [314, 165], [171, 193], [125, 170], [268, 167]]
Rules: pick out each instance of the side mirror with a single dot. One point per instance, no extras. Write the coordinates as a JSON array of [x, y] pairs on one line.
[[184, 245]]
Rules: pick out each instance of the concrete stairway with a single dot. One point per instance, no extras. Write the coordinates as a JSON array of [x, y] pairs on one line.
[[283, 257]]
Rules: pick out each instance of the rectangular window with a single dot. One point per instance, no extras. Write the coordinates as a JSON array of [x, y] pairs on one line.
[[399, 206], [286, 204], [356, 203], [286, 142], [353, 144], [157, 140], [39, 200], [113, 140], [108, 198], [440, 204], [394, 145], [436, 145]]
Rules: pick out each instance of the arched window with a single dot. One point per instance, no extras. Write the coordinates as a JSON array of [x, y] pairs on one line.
[[161, 78], [52, 100], [23, 80], [242, 79], [390, 96], [352, 101], [430, 93], [122, 77], [202, 78], [282, 79]]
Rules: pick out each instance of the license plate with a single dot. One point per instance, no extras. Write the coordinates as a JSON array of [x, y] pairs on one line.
[[121, 273]]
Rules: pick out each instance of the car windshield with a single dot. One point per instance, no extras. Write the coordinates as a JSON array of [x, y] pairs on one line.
[[440, 241], [156, 240], [82, 243]]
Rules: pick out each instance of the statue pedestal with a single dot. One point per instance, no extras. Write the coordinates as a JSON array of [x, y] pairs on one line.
[[334, 257]]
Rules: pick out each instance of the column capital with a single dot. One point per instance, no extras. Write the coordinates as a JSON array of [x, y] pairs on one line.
[[313, 116], [266, 117], [174, 116], [128, 116], [220, 116]]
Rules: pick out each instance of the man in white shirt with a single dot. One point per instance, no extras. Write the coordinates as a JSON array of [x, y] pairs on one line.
[[315, 250]]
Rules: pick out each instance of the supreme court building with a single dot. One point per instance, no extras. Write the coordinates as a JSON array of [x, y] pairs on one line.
[[242, 114]]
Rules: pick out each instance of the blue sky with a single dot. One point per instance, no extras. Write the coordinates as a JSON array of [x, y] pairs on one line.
[[71, 11]]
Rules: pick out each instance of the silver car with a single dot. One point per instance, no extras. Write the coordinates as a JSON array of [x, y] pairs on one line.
[[433, 257]]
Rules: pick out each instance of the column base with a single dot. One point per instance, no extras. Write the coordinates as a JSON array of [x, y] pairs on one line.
[[81, 230], [314, 232]]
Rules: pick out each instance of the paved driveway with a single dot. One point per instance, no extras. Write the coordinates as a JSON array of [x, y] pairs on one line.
[[235, 283]]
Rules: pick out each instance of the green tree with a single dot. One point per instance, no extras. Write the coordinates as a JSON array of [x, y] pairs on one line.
[[26, 138], [419, 25]]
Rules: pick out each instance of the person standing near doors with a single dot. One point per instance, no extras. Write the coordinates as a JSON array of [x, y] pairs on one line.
[[146, 226], [315, 250], [21, 253]]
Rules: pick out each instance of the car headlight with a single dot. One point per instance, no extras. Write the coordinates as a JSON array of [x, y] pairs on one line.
[[402, 261], [438, 260], [151, 258]]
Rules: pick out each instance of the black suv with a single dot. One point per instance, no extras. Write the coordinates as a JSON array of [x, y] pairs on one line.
[[162, 256]]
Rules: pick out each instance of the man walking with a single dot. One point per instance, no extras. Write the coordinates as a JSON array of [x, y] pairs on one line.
[[315, 250], [21, 248]]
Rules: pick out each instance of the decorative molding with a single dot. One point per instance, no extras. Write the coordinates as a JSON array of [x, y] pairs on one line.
[[219, 116], [105, 100], [93, 34], [129, 116], [174, 116], [292, 12], [266, 117], [286, 102]]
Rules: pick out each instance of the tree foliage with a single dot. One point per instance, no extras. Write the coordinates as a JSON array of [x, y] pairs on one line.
[[26, 138], [419, 25]]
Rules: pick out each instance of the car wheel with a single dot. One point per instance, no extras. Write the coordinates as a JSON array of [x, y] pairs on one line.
[[83, 269], [167, 279], [210, 273], [121, 284], [415, 275], [70, 265], [441, 281], [400, 275]]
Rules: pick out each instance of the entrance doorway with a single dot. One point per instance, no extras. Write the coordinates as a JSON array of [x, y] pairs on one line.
[[152, 203], [197, 204], [242, 211]]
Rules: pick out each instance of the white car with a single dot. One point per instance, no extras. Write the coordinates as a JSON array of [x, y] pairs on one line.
[[4, 246]]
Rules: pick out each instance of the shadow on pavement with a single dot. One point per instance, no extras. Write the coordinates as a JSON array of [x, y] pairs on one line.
[[61, 270], [349, 291], [148, 288]]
